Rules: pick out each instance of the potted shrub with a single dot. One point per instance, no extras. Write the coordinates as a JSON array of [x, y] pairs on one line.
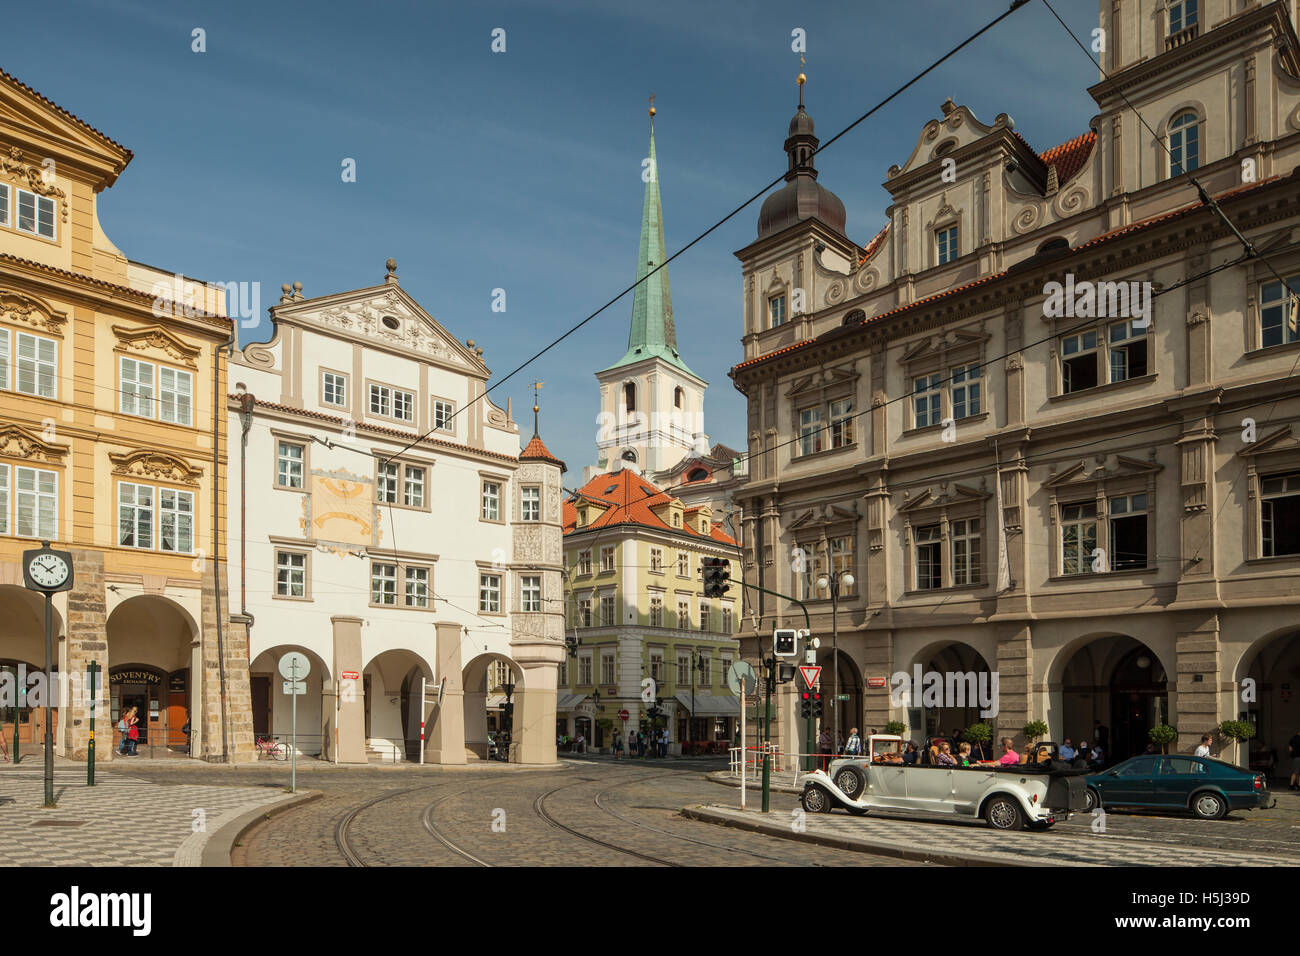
[[1034, 731], [1163, 735], [1238, 731], [979, 734], [895, 727]]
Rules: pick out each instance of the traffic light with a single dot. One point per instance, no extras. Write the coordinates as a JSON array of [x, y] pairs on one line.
[[785, 642], [816, 703], [717, 575], [805, 705]]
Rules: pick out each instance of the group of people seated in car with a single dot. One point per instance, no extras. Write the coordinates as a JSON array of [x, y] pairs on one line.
[[940, 755]]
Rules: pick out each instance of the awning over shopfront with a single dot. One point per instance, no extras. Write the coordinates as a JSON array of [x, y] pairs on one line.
[[569, 701], [709, 705]]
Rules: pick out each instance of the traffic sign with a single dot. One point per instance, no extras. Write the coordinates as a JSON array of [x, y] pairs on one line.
[[623, 714], [785, 642], [294, 665], [841, 696], [295, 687], [876, 681], [810, 675], [741, 673], [350, 675]]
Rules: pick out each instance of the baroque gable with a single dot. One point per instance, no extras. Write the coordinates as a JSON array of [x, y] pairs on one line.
[[155, 338], [25, 310], [1102, 469], [157, 465], [822, 517], [1281, 440], [943, 495], [18, 442], [821, 379]]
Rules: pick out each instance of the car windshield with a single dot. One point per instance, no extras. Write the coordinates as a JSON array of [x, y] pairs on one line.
[[886, 750]]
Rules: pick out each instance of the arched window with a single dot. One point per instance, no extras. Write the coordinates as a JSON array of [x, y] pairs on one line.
[[1053, 244], [629, 396], [678, 397], [1184, 144]]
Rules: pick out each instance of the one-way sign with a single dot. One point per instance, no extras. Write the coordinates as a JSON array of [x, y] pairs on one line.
[[810, 675]]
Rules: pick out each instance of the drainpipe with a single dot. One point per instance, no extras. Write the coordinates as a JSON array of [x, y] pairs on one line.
[[246, 402], [217, 411]]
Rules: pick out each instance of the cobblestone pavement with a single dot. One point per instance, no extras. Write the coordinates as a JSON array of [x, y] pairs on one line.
[[121, 821]]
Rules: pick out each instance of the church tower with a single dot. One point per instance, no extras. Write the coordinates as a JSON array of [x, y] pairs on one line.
[[651, 403]]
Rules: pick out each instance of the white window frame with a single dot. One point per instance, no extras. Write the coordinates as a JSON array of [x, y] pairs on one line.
[[530, 503], [656, 560], [584, 561], [927, 394], [493, 499], [286, 571], [37, 201], [1274, 299], [1182, 14], [383, 585], [281, 460], [489, 593], [1120, 508], [530, 593], [964, 391], [418, 575], [967, 543], [387, 483], [411, 488], [1186, 134], [842, 419], [179, 519], [443, 412], [776, 310], [1075, 515], [137, 508], [142, 394], [1290, 487], [339, 386], [810, 430], [37, 496], [6, 208], [1120, 337], [5, 498], [946, 244], [1081, 348], [607, 558], [38, 365], [928, 538], [175, 402]]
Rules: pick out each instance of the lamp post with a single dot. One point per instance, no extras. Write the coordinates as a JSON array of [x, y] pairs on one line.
[[508, 715], [832, 582]]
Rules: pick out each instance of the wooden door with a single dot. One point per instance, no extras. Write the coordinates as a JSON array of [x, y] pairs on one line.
[[177, 707]]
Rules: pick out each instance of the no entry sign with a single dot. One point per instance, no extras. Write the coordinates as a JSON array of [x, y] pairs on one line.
[[623, 715]]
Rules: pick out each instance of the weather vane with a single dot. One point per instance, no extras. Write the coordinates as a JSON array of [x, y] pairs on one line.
[[536, 406]]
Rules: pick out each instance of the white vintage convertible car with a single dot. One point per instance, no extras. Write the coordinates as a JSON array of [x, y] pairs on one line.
[[1030, 795]]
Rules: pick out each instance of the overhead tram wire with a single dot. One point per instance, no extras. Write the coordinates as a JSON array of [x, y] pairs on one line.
[[1015, 5]]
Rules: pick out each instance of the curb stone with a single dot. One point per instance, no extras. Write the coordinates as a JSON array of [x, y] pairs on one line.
[[218, 847]]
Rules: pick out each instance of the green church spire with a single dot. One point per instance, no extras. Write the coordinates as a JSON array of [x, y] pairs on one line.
[[653, 333]]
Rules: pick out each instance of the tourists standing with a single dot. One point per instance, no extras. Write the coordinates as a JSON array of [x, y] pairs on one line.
[[853, 746]]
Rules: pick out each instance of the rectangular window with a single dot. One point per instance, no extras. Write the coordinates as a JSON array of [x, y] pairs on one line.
[[530, 593], [334, 389], [1275, 312], [683, 670], [1079, 362], [965, 391], [381, 401], [584, 562], [584, 670], [4, 205], [37, 503], [683, 564], [290, 574], [413, 487], [491, 501], [584, 612], [706, 616], [727, 621], [656, 611], [383, 584], [386, 477], [607, 669], [403, 405], [965, 537], [35, 214], [607, 559], [1078, 537], [4, 358], [810, 430], [175, 396], [38, 360], [657, 665], [657, 560], [683, 614], [1279, 514], [1128, 351], [705, 663], [929, 557], [289, 458], [946, 244], [842, 423], [607, 616], [1128, 532], [134, 515], [1182, 14], [417, 587], [489, 593], [841, 549], [442, 414], [776, 310], [136, 388], [176, 521], [4, 499], [531, 504], [926, 404]]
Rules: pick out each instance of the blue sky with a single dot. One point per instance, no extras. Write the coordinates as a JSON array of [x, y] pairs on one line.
[[518, 170]]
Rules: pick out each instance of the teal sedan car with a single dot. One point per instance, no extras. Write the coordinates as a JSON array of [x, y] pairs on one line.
[[1207, 787]]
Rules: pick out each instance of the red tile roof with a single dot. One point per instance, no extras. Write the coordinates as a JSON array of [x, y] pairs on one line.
[[535, 450], [1104, 237], [1069, 157], [873, 245], [630, 499], [13, 80]]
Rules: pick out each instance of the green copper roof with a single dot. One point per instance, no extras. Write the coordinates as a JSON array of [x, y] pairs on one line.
[[653, 333]]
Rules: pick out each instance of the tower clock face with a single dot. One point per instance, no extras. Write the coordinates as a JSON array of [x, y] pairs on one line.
[[48, 570]]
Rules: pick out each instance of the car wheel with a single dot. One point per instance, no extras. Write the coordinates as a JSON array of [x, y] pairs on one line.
[[1092, 800], [1003, 813], [1209, 806], [816, 800], [851, 781]]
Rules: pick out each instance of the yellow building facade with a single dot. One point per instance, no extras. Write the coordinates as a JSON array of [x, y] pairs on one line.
[[112, 446]]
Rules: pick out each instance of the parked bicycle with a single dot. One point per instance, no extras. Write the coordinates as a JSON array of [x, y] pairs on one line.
[[270, 747]]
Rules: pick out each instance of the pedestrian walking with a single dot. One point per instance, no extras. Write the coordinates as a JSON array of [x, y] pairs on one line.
[[1204, 749], [1293, 745], [618, 745], [853, 747], [640, 744], [133, 733], [663, 744], [824, 747]]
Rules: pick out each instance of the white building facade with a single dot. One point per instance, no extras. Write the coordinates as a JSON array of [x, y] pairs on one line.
[[384, 523]]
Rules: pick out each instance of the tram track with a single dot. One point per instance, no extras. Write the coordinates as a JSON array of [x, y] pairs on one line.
[[539, 807], [344, 824]]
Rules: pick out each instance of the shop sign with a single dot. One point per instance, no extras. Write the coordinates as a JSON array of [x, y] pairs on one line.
[[877, 681], [134, 677]]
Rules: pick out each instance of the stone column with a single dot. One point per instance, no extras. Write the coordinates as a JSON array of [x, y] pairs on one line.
[[877, 660], [351, 729], [534, 723], [1015, 693], [239, 693], [86, 640], [446, 728], [1196, 709]]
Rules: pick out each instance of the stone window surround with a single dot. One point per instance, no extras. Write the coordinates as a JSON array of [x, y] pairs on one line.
[[947, 218], [816, 545], [1164, 162], [504, 482], [365, 404], [403, 462], [541, 511], [401, 564], [347, 387], [657, 552], [451, 428], [802, 397], [1074, 325], [948, 356], [541, 592], [1274, 463], [488, 567], [943, 515], [295, 546], [1257, 276], [294, 438], [1110, 486]]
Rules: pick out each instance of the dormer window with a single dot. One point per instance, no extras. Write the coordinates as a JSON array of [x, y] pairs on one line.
[[1184, 144], [1182, 15], [35, 214], [776, 310], [945, 244]]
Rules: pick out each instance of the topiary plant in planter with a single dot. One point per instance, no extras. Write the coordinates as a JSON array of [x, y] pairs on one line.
[[1163, 735], [895, 727], [1034, 730], [979, 734], [1238, 731]]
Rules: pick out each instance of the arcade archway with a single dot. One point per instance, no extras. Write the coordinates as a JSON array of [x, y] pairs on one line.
[[839, 716], [954, 701], [151, 651], [391, 682], [273, 715], [1270, 701], [1111, 690], [22, 657], [491, 682]]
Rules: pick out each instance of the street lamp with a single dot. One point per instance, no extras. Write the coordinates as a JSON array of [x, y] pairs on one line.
[[833, 582]]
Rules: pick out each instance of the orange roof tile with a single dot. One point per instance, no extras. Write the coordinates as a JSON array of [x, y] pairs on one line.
[[538, 451], [76, 119], [1069, 157], [873, 245], [629, 499]]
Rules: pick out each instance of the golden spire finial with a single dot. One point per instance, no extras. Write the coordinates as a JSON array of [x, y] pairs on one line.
[[801, 79], [536, 407], [652, 106]]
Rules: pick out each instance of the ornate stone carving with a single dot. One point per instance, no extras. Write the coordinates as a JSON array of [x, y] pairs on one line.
[[1071, 201], [865, 280], [18, 442], [835, 292], [32, 177], [24, 310], [156, 337], [259, 356], [1027, 219], [157, 465]]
